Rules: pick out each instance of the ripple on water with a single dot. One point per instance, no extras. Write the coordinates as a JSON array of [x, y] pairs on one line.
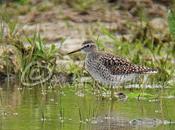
[[106, 122]]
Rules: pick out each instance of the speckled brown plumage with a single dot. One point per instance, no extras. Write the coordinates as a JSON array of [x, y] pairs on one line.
[[118, 65], [109, 69]]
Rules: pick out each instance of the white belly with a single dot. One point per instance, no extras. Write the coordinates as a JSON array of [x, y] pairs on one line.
[[105, 77]]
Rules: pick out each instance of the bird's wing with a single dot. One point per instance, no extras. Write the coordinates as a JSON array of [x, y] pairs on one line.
[[132, 69], [109, 60], [117, 65]]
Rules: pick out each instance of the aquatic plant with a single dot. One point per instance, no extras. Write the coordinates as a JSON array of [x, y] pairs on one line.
[[38, 62], [35, 62], [171, 22]]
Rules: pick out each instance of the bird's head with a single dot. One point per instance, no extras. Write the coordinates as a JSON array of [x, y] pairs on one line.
[[87, 47]]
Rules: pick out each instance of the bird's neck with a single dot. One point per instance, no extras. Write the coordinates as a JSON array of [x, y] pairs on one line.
[[91, 54]]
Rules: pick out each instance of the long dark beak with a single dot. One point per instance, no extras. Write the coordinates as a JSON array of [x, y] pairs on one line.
[[74, 51]]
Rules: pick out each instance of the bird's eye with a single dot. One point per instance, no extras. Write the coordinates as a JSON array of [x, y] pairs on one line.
[[87, 45]]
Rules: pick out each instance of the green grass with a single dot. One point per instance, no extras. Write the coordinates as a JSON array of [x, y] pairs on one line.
[[17, 1], [80, 5], [37, 52]]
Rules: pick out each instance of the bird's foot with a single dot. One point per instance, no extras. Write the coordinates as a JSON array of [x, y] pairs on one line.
[[118, 96]]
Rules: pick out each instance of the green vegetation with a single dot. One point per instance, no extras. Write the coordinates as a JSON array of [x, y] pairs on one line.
[[171, 22], [79, 5], [27, 57]]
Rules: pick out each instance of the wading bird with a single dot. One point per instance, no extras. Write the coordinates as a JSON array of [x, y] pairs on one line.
[[109, 69]]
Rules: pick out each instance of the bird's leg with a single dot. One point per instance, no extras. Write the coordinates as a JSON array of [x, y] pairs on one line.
[[97, 88], [145, 78], [142, 83], [112, 92], [110, 113]]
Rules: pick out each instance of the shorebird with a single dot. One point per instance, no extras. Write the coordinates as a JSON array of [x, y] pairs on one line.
[[109, 69]]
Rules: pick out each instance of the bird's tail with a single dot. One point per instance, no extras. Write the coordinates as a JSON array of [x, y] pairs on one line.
[[147, 70]]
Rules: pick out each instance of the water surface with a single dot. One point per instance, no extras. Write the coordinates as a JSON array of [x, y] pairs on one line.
[[56, 108]]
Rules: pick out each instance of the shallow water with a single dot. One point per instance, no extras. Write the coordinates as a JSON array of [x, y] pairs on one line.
[[49, 108]]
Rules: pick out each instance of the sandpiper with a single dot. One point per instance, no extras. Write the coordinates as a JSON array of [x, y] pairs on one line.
[[109, 69]]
